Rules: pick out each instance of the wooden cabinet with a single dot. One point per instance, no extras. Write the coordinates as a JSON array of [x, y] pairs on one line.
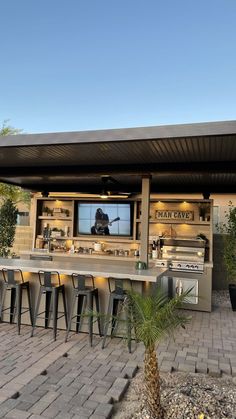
[[178, 218], [167, 218], [61, 217], [56, 215]]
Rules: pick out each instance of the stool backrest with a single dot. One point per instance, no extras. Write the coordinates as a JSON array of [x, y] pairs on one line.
[[45, 278], [119, 285], [9, 276], [79, 281]]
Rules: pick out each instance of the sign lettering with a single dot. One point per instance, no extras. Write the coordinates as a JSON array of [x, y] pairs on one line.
[[174, 215]]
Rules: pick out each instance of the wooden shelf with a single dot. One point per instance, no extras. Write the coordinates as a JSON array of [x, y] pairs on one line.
[[138, 220], [117, 239], [56, 238], [93, 238], [41, 217]]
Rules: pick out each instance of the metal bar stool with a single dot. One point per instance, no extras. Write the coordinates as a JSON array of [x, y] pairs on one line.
[[86, 296], [15, 283], [51, 287], [118, 296]]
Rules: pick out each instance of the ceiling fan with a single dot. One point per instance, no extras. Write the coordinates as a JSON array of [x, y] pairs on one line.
[[110, 188]]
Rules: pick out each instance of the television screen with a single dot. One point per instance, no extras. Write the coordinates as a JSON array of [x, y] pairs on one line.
[[109, 219]]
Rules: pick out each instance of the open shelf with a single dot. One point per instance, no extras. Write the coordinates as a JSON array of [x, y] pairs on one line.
[[95, 238], [138, 220], [41, 217]]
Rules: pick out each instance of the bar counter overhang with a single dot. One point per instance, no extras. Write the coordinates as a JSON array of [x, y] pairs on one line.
[[141, 280], [97, 269]]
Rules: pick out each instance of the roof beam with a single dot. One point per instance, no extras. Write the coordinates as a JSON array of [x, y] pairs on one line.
[[135, 169]]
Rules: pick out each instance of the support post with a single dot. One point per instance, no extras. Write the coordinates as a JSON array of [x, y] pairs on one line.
[[146, 181]]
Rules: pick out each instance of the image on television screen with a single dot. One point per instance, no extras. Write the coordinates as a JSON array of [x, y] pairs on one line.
[[112, 219]]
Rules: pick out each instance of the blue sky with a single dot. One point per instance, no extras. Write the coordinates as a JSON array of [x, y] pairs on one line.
[[94, 64]]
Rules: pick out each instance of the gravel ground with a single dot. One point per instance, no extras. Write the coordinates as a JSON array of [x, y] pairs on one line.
[[185, 396]]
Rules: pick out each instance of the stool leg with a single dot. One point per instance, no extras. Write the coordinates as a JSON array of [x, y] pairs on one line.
[[64, 304], [128, 317], [107, 321], [29, 302], [36, 311], [71, 315], [18, 306], [114, 315], [98, 311], [47, 308], [4, 290], [79, 311], [55, 292], [12, 305], [90, 309]]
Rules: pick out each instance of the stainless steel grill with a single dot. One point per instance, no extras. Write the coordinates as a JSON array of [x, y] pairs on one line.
[[183, 255]]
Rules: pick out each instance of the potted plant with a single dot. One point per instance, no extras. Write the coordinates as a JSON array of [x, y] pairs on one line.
[[228, 229], [47, 211], [66, 212], [204, 211]]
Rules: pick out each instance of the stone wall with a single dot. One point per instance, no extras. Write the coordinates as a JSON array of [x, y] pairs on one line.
[[23, 239]]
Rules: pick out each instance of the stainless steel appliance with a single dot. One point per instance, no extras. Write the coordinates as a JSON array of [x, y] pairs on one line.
[[183, 255], [181, 285]]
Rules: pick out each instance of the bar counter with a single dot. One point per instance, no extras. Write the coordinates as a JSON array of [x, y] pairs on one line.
[[101, 270], [82, 267]]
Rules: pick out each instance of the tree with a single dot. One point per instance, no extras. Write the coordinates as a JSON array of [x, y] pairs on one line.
[[8, 218], [10, 195], [228, 229], [153, 317], [12, 192], [8, 130]]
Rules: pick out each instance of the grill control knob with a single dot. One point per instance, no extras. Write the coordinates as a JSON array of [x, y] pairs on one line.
[[192, 266], [196, 267], [179, 265], [162, 264], [187, 266]]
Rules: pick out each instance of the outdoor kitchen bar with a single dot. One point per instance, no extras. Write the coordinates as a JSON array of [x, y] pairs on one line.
[[104, 204], [179, 240]]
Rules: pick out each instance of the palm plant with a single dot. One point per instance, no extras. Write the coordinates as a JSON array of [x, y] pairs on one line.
[[153, 317]]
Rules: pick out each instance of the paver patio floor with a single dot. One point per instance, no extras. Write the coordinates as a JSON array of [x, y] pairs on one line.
[[40, 378]]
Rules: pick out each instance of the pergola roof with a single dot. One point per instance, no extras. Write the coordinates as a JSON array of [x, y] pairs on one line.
[[181, 158]]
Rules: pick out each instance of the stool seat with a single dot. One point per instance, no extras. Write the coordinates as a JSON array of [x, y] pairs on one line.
[[50, 286], [15, 283], [117, 297], [86, 295]]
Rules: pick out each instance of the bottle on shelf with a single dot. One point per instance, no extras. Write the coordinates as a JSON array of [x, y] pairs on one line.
[[47, 237], [46, 231], [154, 250]]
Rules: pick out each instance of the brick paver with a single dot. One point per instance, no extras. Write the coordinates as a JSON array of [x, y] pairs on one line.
[[40, 378]]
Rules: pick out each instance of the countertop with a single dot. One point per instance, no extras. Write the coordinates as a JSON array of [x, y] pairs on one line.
[[96, 268], [94, 255]]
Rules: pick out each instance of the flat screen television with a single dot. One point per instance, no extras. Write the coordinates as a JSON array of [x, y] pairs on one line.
[[104, 219]]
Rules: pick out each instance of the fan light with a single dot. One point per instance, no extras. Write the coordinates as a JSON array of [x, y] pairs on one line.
[[104, 195]]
